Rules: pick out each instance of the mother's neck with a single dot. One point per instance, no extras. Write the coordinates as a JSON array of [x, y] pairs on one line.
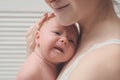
[[97, 19]]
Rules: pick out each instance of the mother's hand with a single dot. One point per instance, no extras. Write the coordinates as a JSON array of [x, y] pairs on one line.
[[30, 35]]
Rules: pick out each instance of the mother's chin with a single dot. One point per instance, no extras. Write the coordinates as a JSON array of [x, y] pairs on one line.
[[65, 21]]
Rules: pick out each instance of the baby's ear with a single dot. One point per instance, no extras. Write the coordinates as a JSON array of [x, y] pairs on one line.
[[37, 37]]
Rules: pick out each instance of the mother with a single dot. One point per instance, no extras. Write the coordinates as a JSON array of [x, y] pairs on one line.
[[98, 54]]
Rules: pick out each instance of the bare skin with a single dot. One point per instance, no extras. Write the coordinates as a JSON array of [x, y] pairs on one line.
[[102, 63], [99, 23], [35, 71]]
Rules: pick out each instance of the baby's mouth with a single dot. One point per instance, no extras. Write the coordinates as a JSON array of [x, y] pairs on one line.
[[59, 49]]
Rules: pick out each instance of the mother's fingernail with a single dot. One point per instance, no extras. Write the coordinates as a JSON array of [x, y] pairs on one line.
[[45, 14]]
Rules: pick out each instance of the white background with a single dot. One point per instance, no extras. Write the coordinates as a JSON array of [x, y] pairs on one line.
[[22, 5]]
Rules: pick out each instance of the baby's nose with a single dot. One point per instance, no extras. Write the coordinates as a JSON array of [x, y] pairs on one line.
[[64, 41]]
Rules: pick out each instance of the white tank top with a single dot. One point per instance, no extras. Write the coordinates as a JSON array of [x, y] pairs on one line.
[[67, 71]]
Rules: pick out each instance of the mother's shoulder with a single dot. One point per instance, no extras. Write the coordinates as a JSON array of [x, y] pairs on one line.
[[108, 51], [100, 64], [105, 54]]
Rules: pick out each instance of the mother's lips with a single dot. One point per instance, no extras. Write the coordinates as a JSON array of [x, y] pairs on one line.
[[62, 6]]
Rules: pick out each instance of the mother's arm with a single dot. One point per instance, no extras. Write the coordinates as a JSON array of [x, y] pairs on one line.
[[101, 64]]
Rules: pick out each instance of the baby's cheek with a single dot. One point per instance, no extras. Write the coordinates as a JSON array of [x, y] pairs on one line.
[[72, 50]]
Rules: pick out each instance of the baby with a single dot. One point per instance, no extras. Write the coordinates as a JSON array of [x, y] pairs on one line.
[[55, 44]]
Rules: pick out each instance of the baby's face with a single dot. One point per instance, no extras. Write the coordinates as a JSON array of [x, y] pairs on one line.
[[57, 42]]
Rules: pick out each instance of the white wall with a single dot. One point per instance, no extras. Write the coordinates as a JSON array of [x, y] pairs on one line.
[[23, 5]]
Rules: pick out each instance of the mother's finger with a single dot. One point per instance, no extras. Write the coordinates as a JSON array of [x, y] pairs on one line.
[[41, 21], [51, 15], [47, 16], [30, 35], [38, 24]]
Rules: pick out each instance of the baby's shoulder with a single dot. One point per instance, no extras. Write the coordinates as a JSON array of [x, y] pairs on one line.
[[29, 70]]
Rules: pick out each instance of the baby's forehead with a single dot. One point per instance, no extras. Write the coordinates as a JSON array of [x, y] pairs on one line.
[[53, 23], [72, 28]]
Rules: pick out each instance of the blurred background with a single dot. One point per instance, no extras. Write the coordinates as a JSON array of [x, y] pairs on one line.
[[16, 16]]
